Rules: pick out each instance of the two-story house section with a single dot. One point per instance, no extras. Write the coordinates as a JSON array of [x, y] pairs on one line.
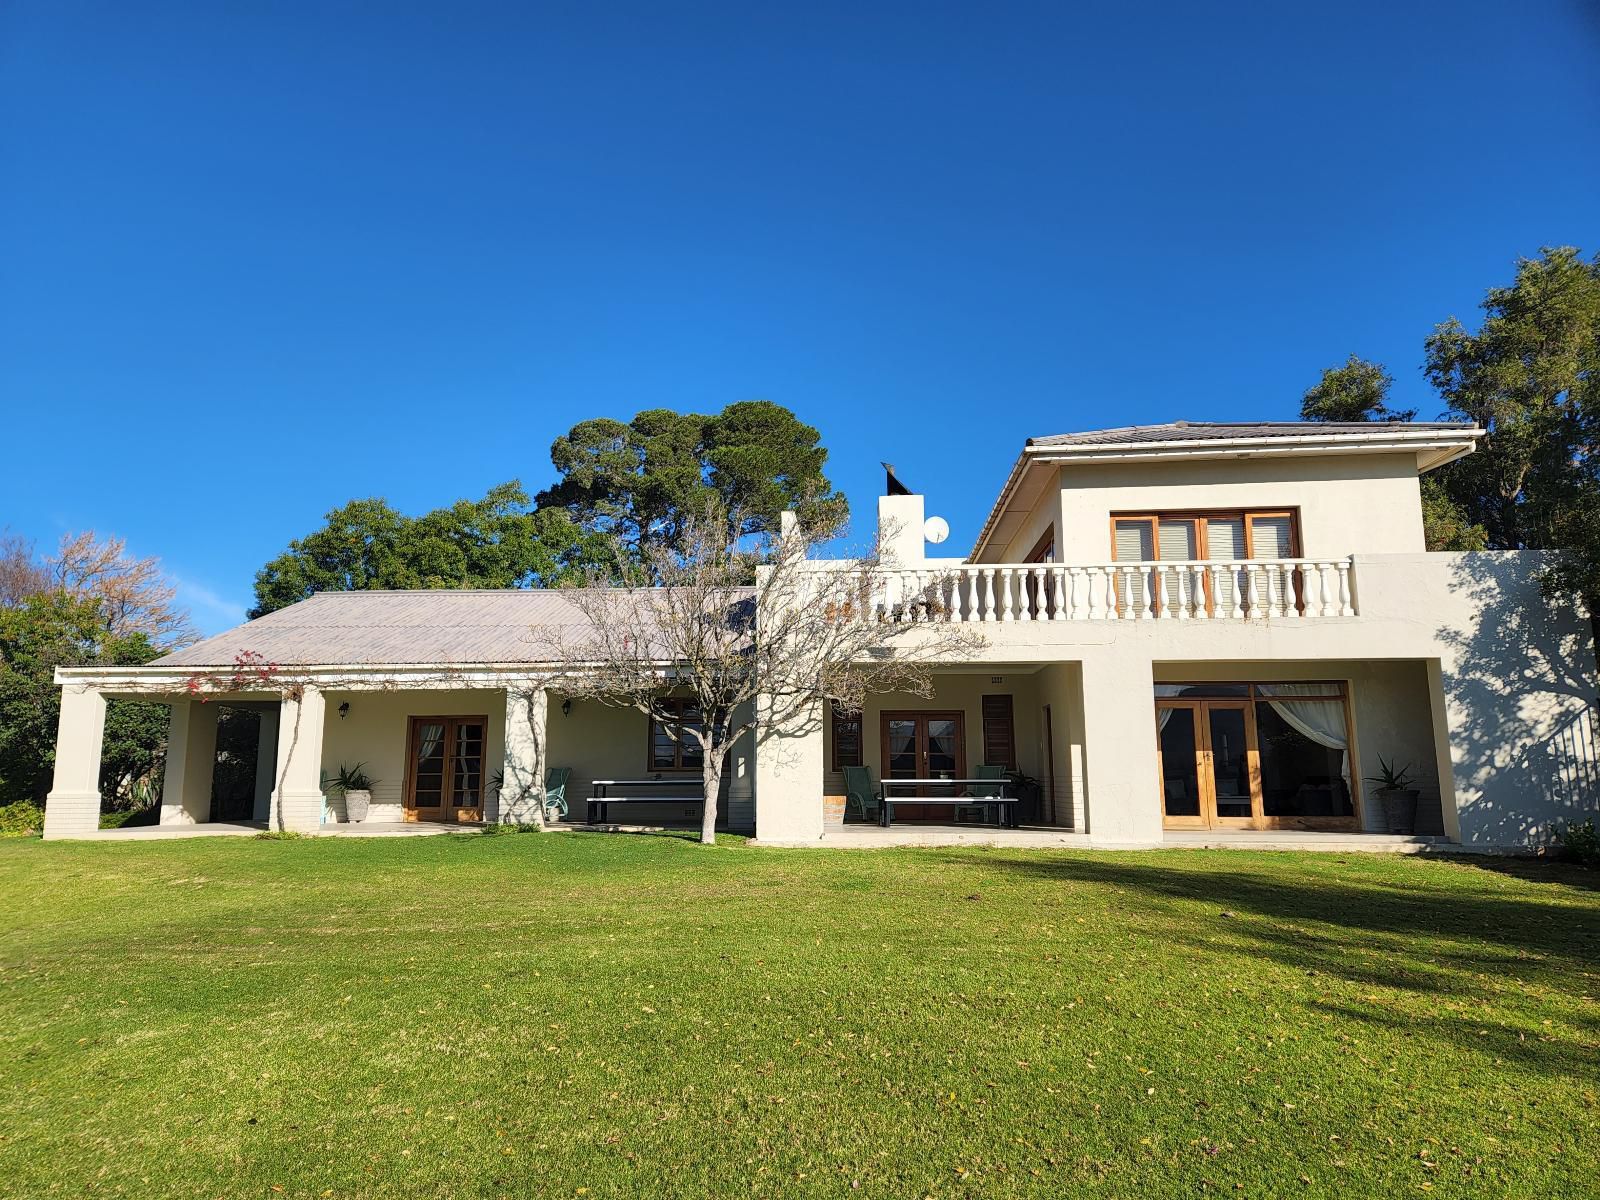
[[1194, 628]]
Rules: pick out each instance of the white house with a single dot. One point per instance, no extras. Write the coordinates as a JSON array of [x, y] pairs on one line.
[[1188, 628]]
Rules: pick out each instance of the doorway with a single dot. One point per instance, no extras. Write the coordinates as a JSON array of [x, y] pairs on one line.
[[1267, 756], [445, 769], [923, 745]]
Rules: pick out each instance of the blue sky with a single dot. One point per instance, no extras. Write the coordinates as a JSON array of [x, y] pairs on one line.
[[257, 259]]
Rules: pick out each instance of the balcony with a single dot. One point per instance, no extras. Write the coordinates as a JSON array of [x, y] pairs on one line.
[[1282, 589]]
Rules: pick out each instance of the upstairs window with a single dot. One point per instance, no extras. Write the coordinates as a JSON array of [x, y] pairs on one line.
[[1188, 536]]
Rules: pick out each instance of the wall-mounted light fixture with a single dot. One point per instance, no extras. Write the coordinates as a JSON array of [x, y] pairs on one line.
[[344, 710], [566, 707]]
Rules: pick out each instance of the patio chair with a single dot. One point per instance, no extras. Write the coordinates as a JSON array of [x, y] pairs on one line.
[[555, 792], [860, 796], [981, 791]]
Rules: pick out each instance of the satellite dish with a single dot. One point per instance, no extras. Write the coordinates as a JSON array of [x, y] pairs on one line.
[[936, 529]]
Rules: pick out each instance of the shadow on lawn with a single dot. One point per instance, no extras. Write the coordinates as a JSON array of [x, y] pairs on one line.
[[1444, 942]]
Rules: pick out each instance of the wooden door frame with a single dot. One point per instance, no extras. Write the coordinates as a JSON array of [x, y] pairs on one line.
[[1050, 761], [1252, 763], [922, 716], [408, 793], [1258, 819]]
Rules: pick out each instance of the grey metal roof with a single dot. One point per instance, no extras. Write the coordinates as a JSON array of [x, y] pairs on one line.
[[1201, 431], [393, 628]]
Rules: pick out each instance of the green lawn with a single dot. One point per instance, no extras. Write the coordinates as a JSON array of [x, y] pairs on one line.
[[603, 1015]]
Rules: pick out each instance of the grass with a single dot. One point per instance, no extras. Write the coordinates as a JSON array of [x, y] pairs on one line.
[[593, 1015]]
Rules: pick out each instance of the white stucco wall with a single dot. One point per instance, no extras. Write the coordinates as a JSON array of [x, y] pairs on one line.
[[1348, 504]]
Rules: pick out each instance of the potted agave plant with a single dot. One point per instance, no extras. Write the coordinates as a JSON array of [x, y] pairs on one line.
[[355, 786], [1398, 797]]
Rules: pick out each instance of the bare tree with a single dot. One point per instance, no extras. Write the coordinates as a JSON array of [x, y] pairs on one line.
[[805, 633], [135, 596], [21, 574]]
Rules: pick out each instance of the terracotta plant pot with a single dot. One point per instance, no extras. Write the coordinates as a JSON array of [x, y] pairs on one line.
[[1399, 809], [356, 805]]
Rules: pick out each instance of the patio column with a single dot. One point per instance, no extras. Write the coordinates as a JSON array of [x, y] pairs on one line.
[[297, 799], [1119, 735], [266, 763], [788, 775], [1439, 705], [522, 787], [191, 759], [72, 808]]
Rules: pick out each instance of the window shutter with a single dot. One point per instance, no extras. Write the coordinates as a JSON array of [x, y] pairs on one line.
[[1271, 537], [1134, 543], [999, 732]]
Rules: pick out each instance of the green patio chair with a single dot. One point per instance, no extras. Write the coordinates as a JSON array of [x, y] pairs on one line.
[[555, 792], [860, 796], [979, 791]]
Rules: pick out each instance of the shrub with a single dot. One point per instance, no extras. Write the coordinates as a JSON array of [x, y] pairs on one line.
[[279, 835], [1581, 843], [20, 819]]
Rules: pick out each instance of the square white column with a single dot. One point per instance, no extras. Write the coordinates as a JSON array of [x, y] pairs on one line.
[[191, 760], [297, 796], [788, 799], [73, 807], [522, 781], [1119, 746]]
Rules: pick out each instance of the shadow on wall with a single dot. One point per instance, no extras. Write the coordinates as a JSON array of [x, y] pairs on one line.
[[1525, 755]]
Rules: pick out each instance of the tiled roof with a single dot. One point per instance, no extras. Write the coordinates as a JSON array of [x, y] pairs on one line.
[[392, 628], [1202, 431]]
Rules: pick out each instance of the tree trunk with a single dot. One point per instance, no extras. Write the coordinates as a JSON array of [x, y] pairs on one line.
[[711, 776]]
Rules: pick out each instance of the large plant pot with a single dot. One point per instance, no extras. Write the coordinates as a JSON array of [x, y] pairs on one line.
[[356, 805], [833, 810], [1399, 809]]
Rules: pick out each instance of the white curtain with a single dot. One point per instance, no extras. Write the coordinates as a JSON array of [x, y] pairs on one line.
[[1163, 715], [1320, 720], [428, 746]]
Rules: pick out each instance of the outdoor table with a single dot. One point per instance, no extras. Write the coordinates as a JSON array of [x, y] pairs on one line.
[[599, 798], [1005, 806]]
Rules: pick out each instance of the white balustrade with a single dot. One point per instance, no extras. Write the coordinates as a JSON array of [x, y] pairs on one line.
[[1289, 589]]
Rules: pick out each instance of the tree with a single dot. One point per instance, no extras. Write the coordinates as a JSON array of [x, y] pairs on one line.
[[55, 629], [1356, 391], [806, 633], [134, 595], [641, 483], [496, 542], [1530, 376], [1359, 391], [21, 574]]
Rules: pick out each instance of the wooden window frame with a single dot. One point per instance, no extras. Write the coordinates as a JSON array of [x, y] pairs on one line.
[[678, 703], [837, 717], [1044, 550], [1201, 516]]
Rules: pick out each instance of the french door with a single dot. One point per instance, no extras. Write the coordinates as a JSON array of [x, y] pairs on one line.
[[1210, 766], [923, 745], [445, 769]]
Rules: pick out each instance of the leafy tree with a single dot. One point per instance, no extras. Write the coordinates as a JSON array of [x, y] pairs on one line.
[[643, 482], [496, 542], [1356, 391], [51, 630], [1530, 376]]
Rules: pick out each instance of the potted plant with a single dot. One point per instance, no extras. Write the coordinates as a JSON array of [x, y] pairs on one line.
[[354, 785], [1398, 797]]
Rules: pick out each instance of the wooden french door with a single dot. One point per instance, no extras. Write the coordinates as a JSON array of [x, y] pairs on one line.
[[1209, 764], [444, 777], [923, 745]]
